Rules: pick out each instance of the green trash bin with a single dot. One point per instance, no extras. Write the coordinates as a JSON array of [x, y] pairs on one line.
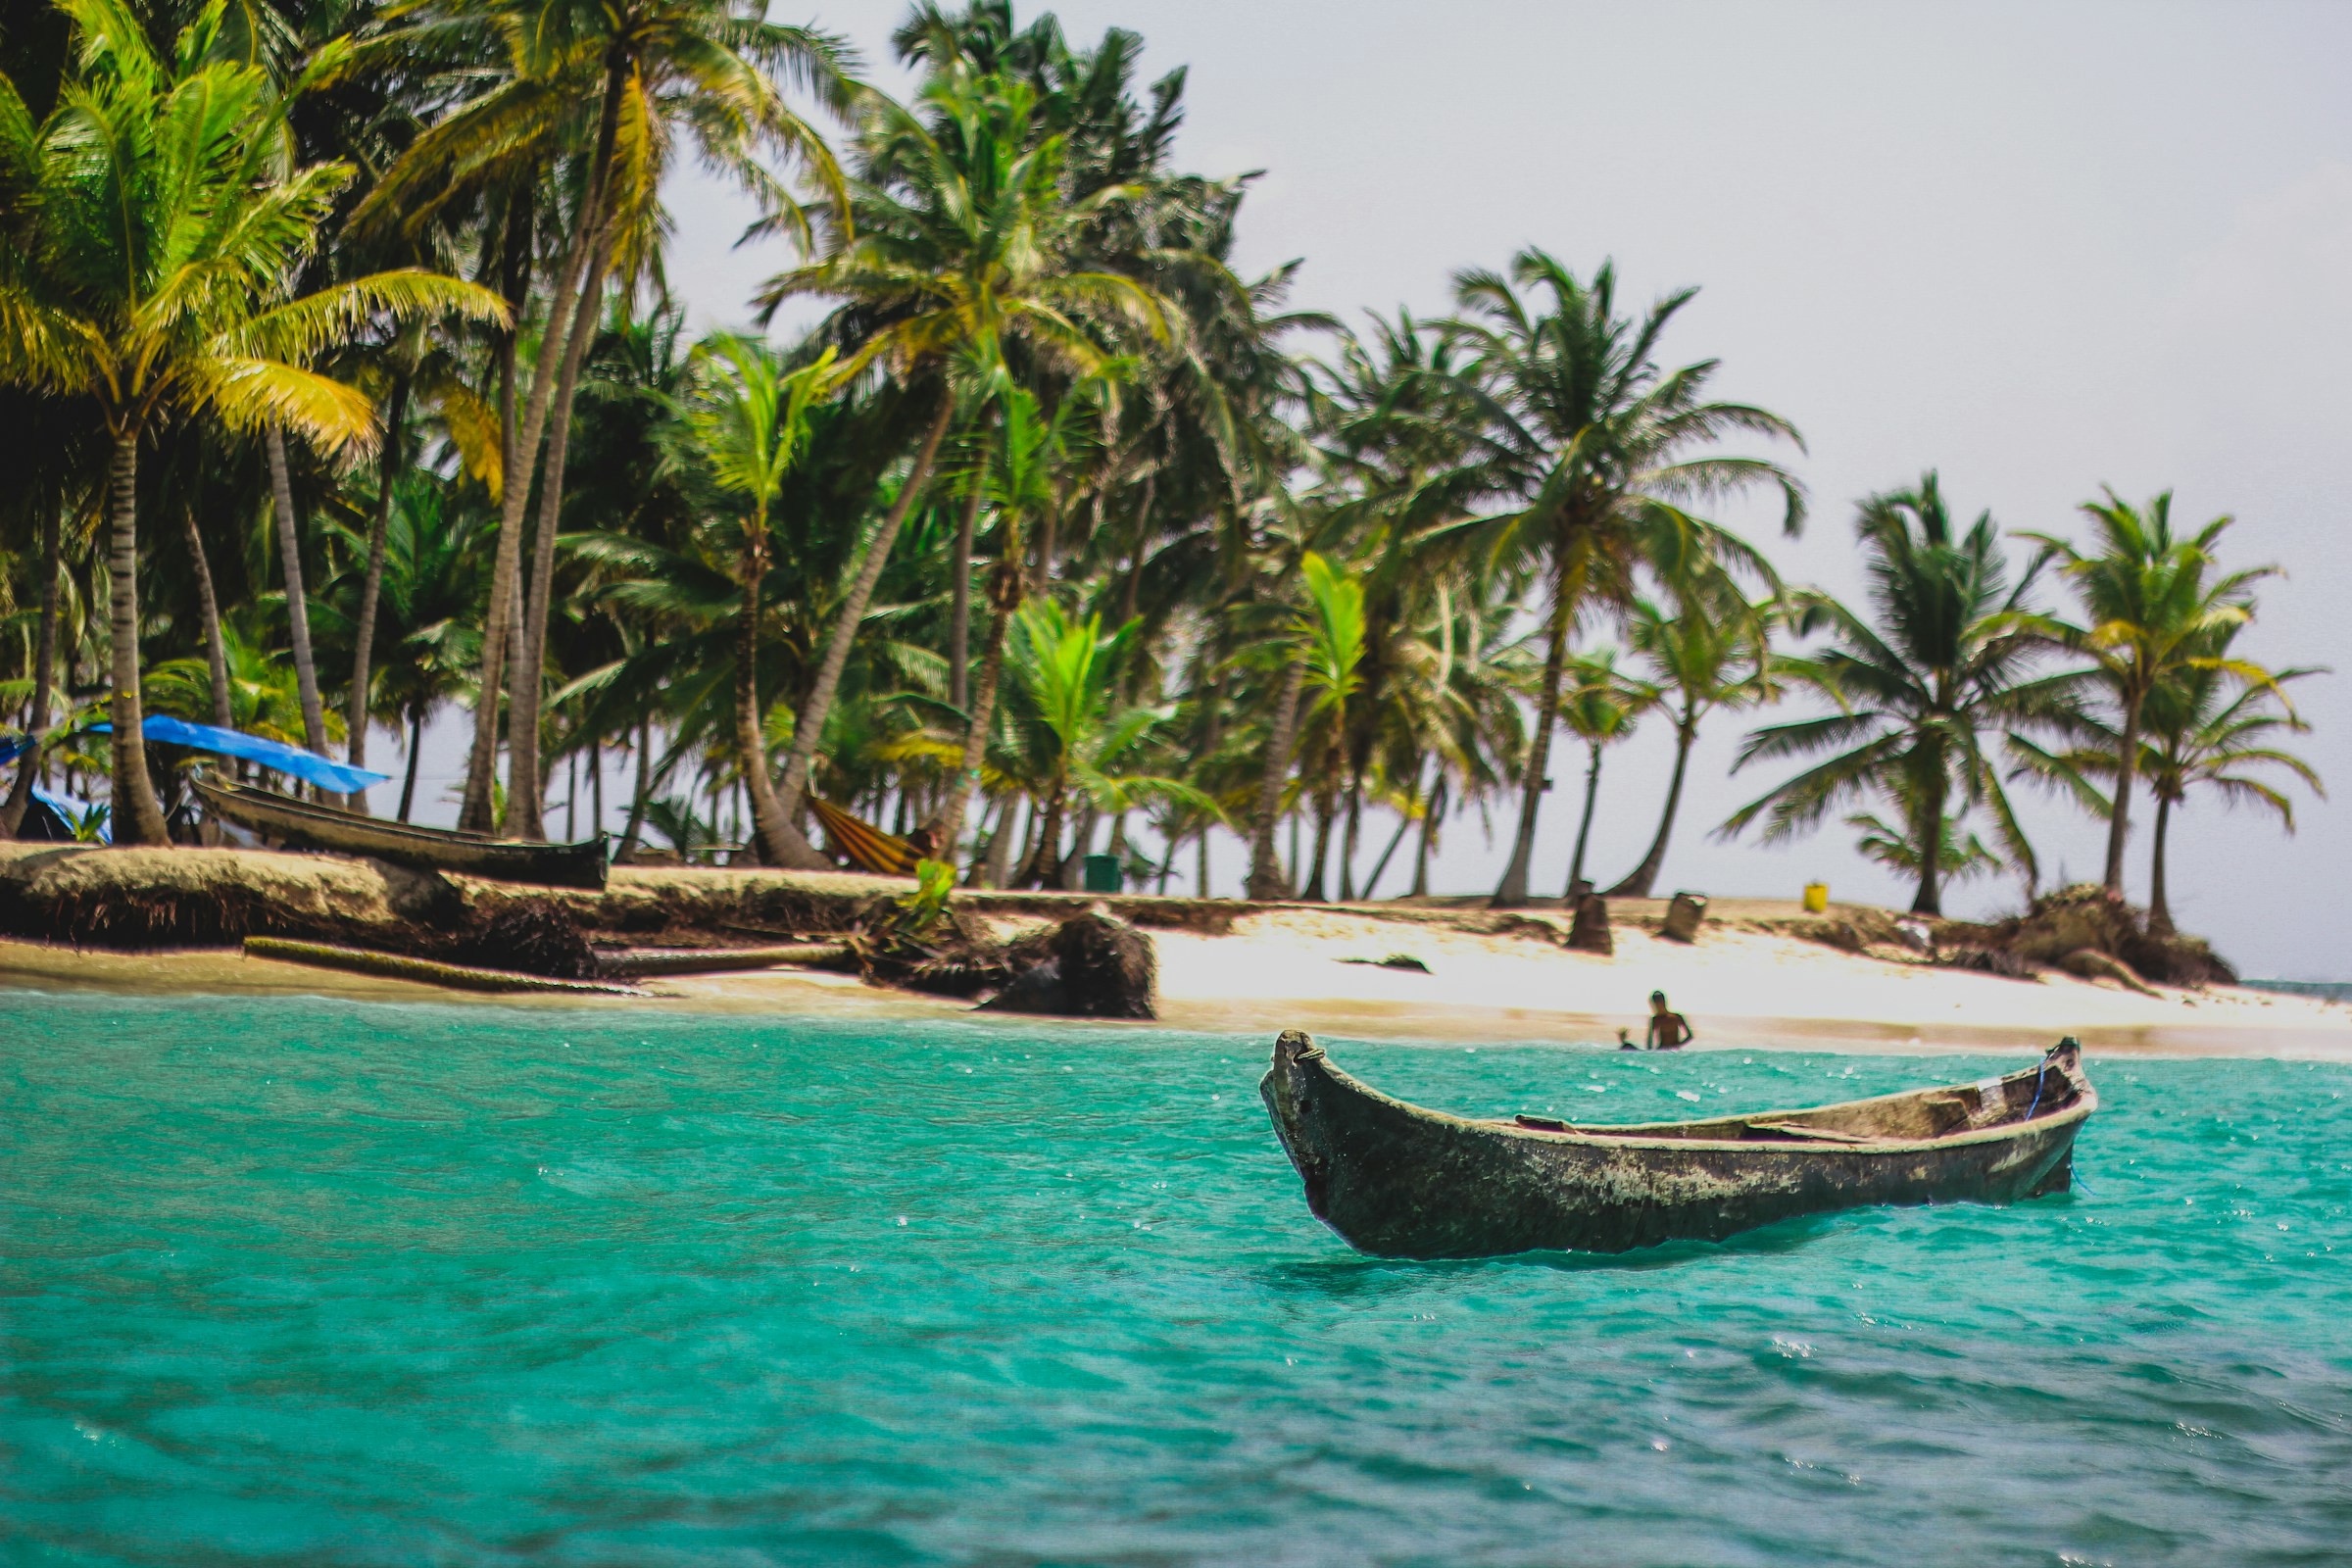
[[1104, 874]]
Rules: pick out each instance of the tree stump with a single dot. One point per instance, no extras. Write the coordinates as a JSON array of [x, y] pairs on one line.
[[1683, 916], [1591, 931]]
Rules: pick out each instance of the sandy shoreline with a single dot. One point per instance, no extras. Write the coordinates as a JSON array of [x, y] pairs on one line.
[[1745, 984]]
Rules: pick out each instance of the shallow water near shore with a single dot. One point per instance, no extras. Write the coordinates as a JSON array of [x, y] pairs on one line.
[[333, 1283]]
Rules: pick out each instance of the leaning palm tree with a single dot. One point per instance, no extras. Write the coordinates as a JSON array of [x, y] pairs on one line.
[[1593, 447], [1018, 486], [1603, 706], [614, 88], [2210, 727], [151, 221], [965, 247], [750, 424], [1947, 660], [1709, 649], [2152, 610], [432, 573]]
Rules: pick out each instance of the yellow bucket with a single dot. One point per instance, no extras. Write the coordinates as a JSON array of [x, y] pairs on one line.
[[1817, 898]]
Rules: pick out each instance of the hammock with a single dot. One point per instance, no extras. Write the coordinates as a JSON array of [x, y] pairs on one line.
[[864, 845]]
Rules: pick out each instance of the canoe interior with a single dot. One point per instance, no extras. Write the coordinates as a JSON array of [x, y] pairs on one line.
[[1912, 1115]]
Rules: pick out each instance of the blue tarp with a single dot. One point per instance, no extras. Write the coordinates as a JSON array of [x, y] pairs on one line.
[[9, 748], [307, 767], [74, 812]]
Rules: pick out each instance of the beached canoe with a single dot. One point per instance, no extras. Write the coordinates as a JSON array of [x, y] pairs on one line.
[[429, 849], [1398, 1181]]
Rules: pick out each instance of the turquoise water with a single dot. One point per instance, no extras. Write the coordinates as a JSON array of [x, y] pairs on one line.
[[323, 1283]]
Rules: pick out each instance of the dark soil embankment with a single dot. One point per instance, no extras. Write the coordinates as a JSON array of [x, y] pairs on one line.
[[143, 900], [146, 899]]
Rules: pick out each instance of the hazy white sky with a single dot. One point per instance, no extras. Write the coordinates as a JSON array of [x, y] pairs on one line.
[[2039, 247]]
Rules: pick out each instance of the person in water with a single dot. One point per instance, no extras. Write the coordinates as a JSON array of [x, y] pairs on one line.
[[1667, 1030]]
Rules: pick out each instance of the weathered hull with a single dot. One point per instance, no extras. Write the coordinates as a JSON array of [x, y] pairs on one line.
[[318, 828], [1398, 1181]]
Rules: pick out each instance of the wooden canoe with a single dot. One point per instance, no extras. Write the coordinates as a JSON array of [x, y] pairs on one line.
[[300, 823], [1396, 1180]]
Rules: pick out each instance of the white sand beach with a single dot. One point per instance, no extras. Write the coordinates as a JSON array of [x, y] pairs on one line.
[[1746, 982]]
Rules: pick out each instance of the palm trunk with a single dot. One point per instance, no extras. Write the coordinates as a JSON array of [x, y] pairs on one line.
[[407, 785], [960, 588], [642, 796], [1584, 827], [522, 459], [1325, 813], [1045, 856], [372, 587], [1512, 892], [1068, 870], [596, 784], [207, 607], [298, 608], [960, 610], [1930, 845], [483, 760], [45, 675], [138, 816], [2160, 906], [1430, 820], [524, 786], [1132, 593], [2119, 820], [1349, 842], [1266, 879], [1379, 867], [997, 868], [949, 825], [768, 824], [1642, 877], [808, 726]]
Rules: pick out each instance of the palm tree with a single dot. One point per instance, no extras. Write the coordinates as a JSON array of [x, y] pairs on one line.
[[1587, 440], [1017, 484], [2203, 724], [2205, 732], [1603, 706], [153, 219], [965, 247], [612, 86], [2152, 610], [1712, 648], [750, 418], [1948, 660], [431, 574], [1330, 656], [1071, 736]]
